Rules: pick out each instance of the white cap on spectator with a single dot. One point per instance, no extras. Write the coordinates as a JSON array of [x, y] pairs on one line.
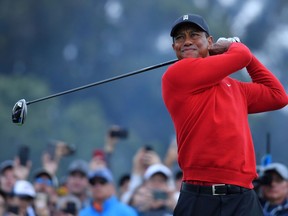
[[281, 169], [24, 188], [157, 168]]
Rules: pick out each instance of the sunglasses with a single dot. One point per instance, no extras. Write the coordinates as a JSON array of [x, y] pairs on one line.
[[47, 182], [98, 180]]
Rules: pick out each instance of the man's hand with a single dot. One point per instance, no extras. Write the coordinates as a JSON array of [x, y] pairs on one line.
[[222, 45]]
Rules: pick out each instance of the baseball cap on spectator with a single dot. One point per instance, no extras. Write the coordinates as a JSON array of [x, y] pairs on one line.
[[279, 168], [101, 173], [24, 189], [80, 166], [190, 18], [99, 153], [157, 168], [7, 164], [40, 172], [51, 181]]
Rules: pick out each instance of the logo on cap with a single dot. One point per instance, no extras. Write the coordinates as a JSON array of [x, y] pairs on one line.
[[185, 17]]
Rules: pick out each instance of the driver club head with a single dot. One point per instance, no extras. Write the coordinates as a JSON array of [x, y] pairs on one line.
[[19, 112]]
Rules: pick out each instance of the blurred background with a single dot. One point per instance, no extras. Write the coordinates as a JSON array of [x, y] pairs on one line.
[[49, 46]]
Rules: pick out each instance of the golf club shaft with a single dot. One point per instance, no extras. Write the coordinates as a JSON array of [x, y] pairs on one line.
[[104, 81]]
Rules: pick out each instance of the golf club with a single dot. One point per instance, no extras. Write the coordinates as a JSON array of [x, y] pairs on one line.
[[19, 111]]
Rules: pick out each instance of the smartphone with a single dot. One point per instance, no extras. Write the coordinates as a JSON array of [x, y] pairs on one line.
[[162, 195], [13, 209], [51, 150], [71, 208], [119, 133], [23, 154]]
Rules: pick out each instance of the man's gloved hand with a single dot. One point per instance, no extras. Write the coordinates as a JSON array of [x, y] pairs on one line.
[[222, 45]]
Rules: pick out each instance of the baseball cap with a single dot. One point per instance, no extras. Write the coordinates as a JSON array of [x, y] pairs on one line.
[[79, 166], [99, 153], [104, 173], [24, 188], [190, 18], [7, 164], [155, 169], [279, 168], [39, 172]]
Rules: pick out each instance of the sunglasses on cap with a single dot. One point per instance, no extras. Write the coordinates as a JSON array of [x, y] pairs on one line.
[[98, 180]]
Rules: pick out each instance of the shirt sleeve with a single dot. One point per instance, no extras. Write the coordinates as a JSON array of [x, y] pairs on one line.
[[200, 73], [265, 93]]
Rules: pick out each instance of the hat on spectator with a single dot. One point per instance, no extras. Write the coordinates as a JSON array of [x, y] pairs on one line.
[[79, 166], [23, 188], [157, 168], [99, 153], [190, 18], [40, 172], [104, 173], [7, 164], [279, 168]]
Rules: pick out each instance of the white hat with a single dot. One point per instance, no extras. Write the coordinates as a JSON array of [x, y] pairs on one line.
[[24, 188], [281, 169], [157, 168]]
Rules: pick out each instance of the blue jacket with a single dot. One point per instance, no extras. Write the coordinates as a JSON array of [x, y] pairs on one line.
[[111, 207], [279, 210]]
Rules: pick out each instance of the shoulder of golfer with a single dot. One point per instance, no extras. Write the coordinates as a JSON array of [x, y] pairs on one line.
[[265, 93], [198, 73]]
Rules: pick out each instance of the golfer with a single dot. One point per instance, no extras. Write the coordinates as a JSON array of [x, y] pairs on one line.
[[210, 115]]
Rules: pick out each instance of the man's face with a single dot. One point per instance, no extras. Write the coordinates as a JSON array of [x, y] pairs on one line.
[[277, 191], [8, 179], [101, 189], [77, 183], [191, 42]]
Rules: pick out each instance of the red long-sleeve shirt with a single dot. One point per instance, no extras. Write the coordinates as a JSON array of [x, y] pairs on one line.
[[210, 113]]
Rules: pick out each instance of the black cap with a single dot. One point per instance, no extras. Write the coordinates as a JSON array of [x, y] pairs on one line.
[[7, 164], [79, 165], [41, 171], [190, 18]]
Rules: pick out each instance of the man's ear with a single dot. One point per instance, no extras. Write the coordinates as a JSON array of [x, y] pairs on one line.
[[210, 41]]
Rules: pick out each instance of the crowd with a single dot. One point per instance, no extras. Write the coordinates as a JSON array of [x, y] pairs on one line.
[[151, 188], [89, 187]]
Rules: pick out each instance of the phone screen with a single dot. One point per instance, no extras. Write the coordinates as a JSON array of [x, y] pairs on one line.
[[23, 154]]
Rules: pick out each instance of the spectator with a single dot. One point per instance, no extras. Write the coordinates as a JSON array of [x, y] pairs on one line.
[[275, 191], [23, 196], [144, 157], [68, 206], [46, 196], [98, 159], [7, 176], [3, 203], [104, 200], [77, 181], [123, 184], [157, 196]]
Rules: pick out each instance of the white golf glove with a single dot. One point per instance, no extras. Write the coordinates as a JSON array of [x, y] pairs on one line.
[[231, 39]]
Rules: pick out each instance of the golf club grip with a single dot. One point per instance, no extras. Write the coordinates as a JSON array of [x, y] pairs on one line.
[[104, 81]]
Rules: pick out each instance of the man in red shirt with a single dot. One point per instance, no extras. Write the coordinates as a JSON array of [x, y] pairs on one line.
[[210, 115]]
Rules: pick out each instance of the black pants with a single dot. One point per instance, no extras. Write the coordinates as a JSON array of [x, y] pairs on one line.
[[197, 204]]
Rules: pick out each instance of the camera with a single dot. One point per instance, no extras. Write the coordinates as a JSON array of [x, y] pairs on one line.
[[121, 133]]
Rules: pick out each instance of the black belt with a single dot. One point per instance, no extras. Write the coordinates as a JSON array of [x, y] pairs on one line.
[[216, 189]]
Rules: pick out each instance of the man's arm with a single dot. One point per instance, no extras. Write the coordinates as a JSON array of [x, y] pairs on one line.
[[266, 92], [199, 73]]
